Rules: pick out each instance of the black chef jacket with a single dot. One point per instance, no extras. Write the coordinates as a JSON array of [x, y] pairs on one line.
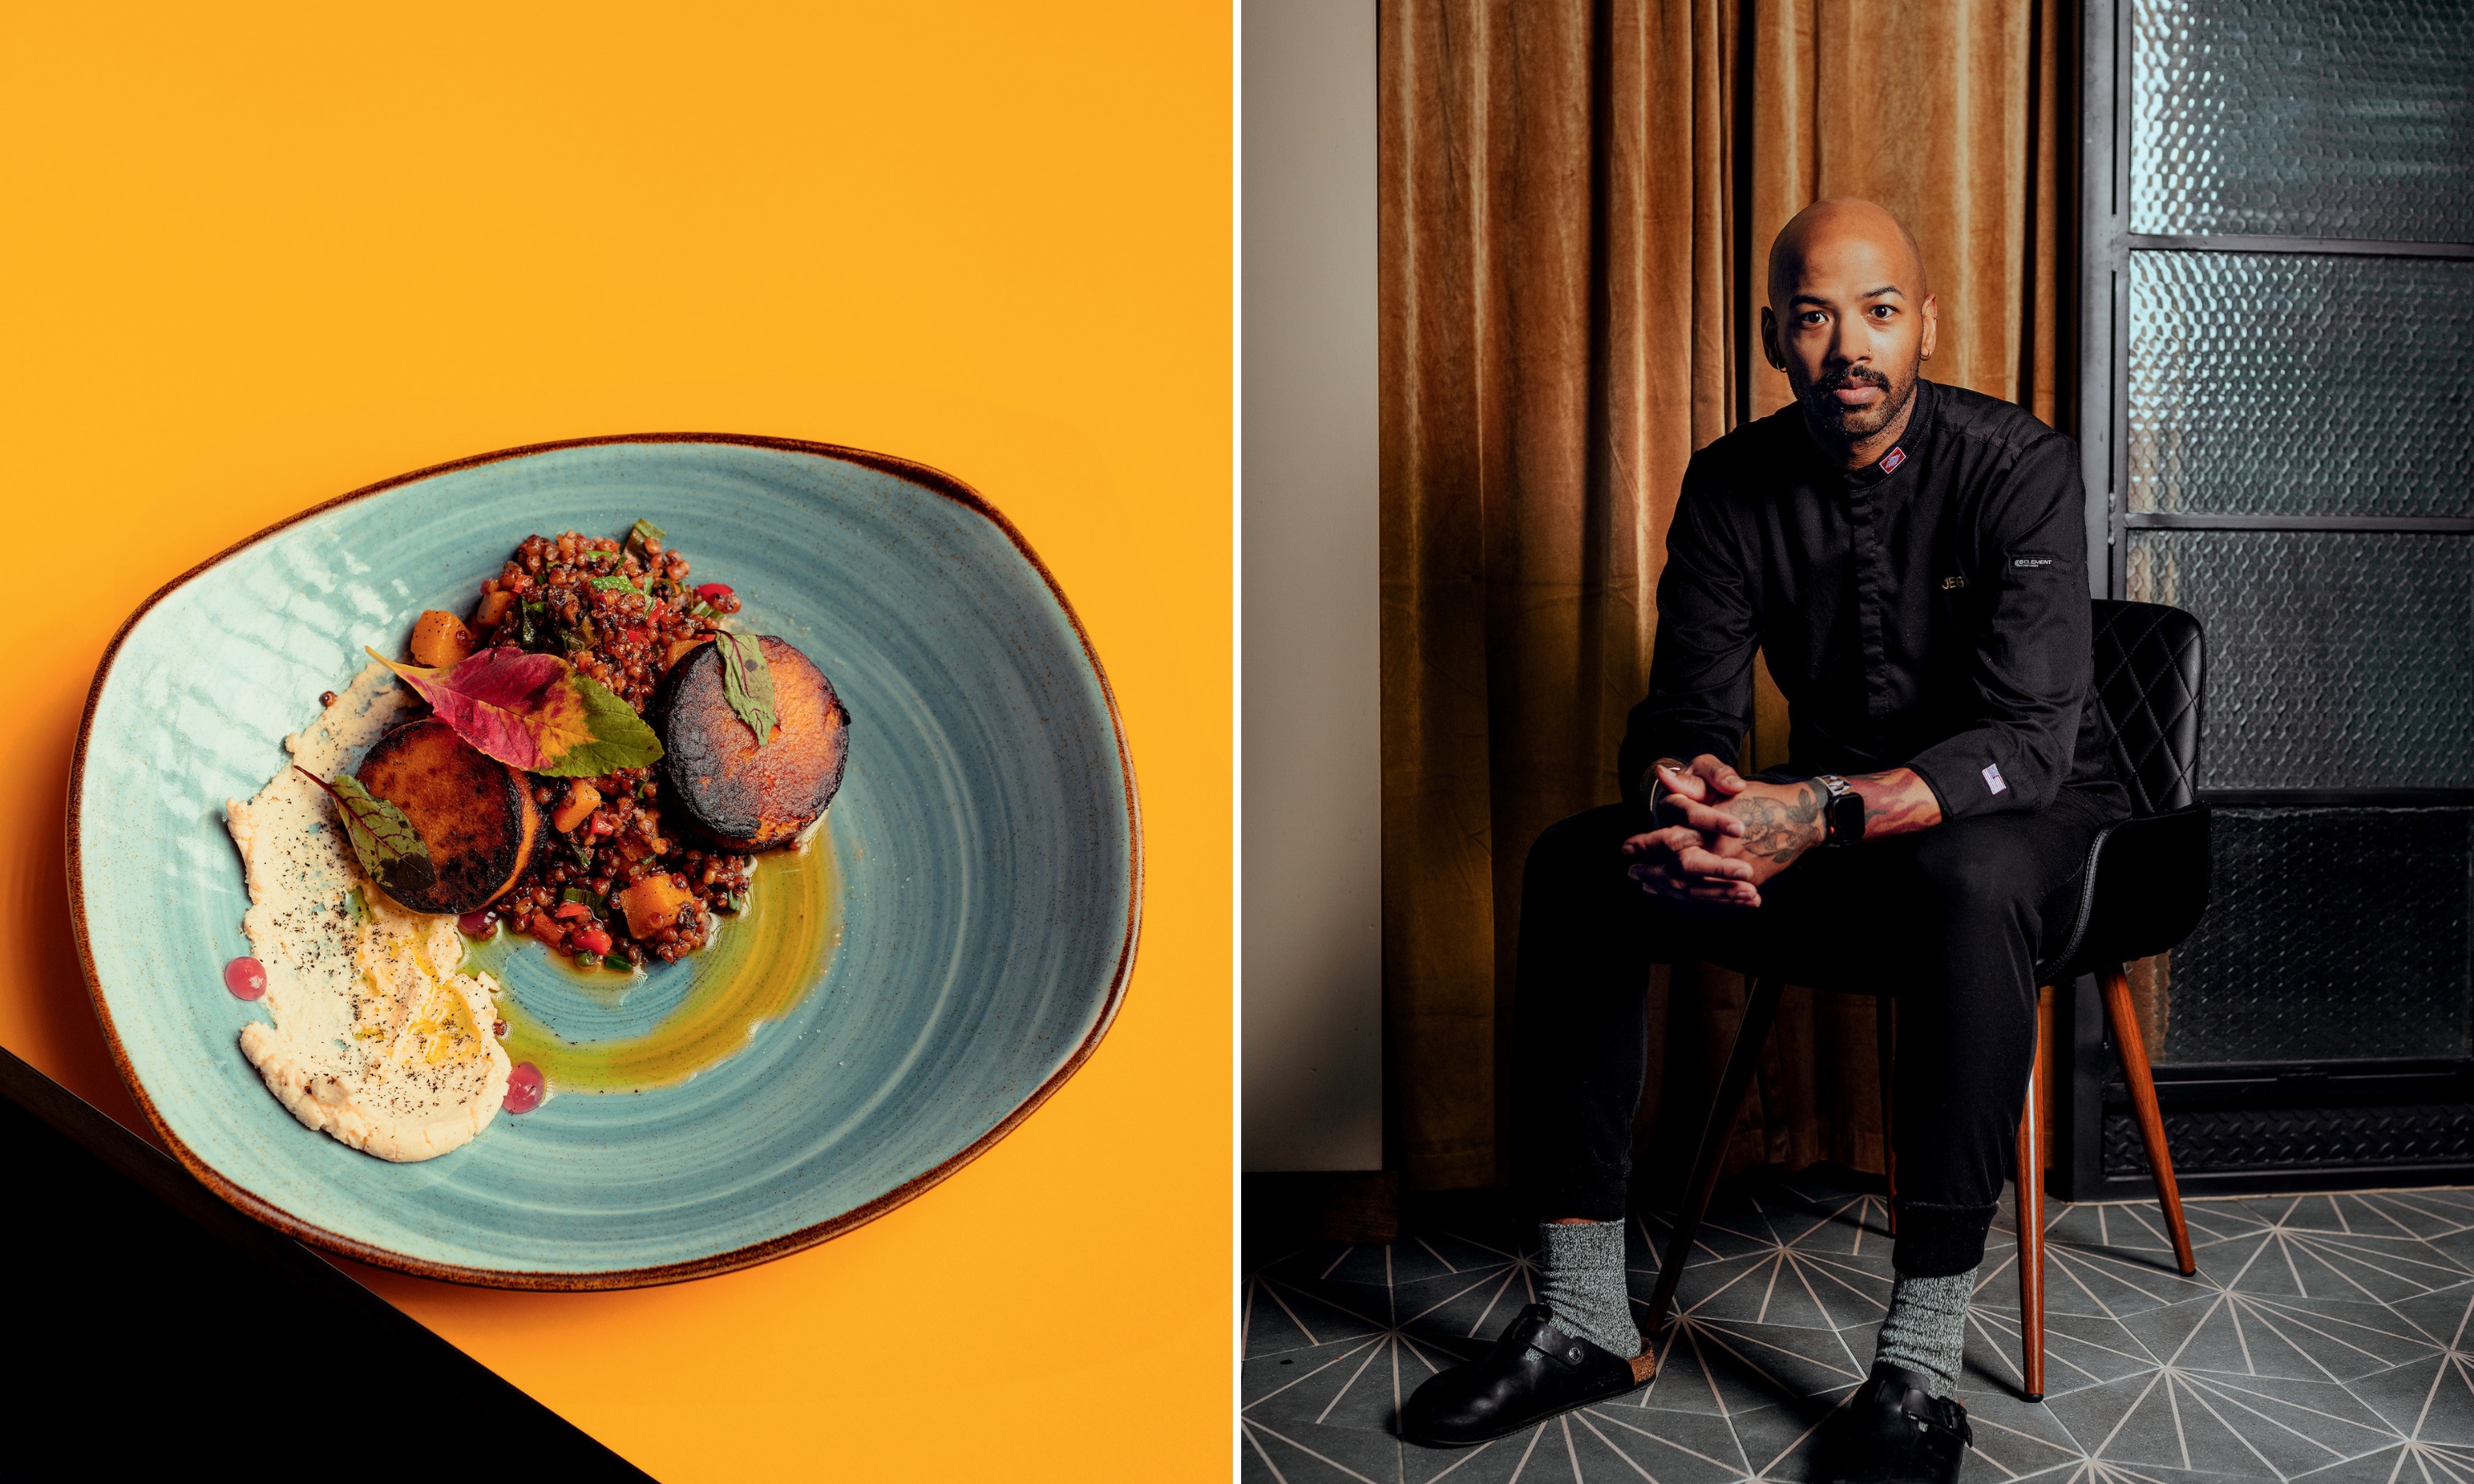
[[1930, 611]]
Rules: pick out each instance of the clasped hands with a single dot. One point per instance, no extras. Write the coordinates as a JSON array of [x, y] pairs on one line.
[[1721, 835]]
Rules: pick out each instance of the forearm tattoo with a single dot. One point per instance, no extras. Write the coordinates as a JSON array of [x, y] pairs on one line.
[[1780, 829]]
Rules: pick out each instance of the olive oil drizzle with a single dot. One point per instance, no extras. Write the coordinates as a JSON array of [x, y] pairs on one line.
[[759, 966]]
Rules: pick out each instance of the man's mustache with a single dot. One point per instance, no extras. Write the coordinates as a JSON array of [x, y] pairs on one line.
[[1850, 376]]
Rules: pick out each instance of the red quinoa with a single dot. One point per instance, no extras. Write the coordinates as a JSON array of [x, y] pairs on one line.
[[620, 612]]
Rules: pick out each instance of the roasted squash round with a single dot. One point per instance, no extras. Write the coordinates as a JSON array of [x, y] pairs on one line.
[[747, 796], [473, 812]]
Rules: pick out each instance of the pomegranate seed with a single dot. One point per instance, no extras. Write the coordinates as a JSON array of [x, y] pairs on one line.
[[525, 1089], [245, 977]]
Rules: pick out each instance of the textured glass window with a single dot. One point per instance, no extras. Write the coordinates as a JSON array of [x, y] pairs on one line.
[[2336, 660], [2270, 383], [2303, 118], [2332, 933]]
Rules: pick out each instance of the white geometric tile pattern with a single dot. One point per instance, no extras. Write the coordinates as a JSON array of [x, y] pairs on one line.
[[2326, 1337]]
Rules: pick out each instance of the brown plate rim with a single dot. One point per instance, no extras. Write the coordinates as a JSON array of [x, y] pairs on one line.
[[932, 479]]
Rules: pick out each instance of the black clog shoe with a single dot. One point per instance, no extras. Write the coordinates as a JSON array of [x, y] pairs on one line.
[[1894, 1430], [1536, 1370]]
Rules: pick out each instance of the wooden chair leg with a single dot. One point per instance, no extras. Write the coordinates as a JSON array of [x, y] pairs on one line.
[[1885, 1024], [2124, 1019], [1735, 1084], [2030, 1211]]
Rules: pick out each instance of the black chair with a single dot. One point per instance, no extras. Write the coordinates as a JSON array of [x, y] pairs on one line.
[[2145, 889]]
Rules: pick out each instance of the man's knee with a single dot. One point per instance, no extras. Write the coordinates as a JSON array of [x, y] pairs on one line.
[[1588, 843], [1974, 870]]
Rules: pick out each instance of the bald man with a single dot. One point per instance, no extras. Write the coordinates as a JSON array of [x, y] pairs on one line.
[[1909, 560]]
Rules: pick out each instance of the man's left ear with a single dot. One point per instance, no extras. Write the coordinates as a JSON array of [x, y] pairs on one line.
[[1933, 325]]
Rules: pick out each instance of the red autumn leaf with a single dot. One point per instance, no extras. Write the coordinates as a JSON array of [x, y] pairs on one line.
[[533, 712]]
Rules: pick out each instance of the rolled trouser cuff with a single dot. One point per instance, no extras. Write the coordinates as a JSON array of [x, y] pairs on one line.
[[1939, 1241], [1596, 1195]]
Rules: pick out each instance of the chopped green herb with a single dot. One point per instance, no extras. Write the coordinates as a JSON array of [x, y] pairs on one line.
[[615, 585], [642, 532], [588, 961]]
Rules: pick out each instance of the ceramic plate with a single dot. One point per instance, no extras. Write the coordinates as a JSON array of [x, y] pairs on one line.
[[986, 851]]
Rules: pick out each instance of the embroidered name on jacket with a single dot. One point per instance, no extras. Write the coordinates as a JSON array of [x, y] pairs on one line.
[[2032, 562]]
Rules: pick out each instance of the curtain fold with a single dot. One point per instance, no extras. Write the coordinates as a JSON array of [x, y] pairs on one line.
[[1575, 205]]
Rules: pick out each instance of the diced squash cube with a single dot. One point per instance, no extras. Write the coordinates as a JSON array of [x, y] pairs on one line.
[[652, 904], [581, 800], [440, 640], [493, 606]]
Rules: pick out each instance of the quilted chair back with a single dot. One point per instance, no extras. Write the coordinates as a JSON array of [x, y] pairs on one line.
[[2148, 670]]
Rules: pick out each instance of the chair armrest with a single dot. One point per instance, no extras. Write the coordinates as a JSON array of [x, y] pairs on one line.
[[2145, 888]]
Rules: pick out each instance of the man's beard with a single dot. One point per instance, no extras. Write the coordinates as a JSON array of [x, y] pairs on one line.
[[1855, 423]]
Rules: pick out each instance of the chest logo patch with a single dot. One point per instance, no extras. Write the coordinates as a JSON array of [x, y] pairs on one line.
[[2032, 562], [1993, 777], [1891, 460]]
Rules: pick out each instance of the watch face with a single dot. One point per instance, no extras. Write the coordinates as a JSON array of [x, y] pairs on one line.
[[1847, 818]]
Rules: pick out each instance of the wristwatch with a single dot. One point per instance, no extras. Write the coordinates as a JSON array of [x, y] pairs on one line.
[[1843, 817]]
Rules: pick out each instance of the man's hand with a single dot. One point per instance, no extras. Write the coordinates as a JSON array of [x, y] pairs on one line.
[[1728, 837]]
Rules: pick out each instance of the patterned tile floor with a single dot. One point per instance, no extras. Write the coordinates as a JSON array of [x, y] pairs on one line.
[[2328, 1338]]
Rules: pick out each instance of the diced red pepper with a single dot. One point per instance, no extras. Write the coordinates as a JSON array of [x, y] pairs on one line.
[[593, 940], [572, 909], [635, 636], [549, 932], [713, 593]]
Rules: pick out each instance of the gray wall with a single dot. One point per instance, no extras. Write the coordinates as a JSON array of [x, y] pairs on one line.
[[1312, 772]]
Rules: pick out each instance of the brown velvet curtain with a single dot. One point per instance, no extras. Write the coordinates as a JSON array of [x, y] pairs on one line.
[[1576, 205]]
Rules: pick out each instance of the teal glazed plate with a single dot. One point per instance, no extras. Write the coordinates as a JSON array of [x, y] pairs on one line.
[[985, 851]]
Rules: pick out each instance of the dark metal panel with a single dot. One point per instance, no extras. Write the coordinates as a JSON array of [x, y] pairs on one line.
[[2290, 385], [2337, 798], [2336, 660], [2205, 1140], [2160, 242], [2331, 935], [2327, 118], [2185, 520]]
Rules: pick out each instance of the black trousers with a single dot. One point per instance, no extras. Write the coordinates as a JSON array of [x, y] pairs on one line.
[[1948, 920]]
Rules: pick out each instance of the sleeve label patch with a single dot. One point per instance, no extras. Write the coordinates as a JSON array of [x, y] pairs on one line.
[[1993, 777]]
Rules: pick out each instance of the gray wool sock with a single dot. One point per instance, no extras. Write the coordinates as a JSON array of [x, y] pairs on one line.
[[1585, 1282], [1927, 1326]]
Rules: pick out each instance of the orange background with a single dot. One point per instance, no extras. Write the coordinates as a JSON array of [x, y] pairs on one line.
[[260, 255]]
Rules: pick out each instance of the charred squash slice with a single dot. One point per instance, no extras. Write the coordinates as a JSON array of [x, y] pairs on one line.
[[473, 812], [747, 797]]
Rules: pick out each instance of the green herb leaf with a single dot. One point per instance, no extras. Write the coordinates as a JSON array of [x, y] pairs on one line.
[[535, 712], [747, 682], [642, 532], [618, 738], [390, 849], [536, 623], [615, 585]]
